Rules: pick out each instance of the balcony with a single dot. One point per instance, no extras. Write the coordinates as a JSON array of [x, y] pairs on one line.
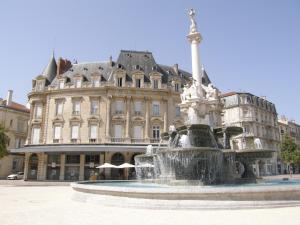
[[74, 141], [137, 113], [56, 141], [76, 113], [94, 112], [138, 140], [119, 112], [154, 140], [117, 140], [92, 140]]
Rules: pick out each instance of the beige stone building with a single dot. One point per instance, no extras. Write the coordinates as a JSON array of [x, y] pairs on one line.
[[258, 118], [85, 114], [14, 117]]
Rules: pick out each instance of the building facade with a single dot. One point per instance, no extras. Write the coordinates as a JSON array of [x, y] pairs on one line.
[[14, 117], [291, 129], [258, 118], [85, 114]]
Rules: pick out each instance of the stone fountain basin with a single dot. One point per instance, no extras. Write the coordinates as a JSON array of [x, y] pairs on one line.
[[284, 192]]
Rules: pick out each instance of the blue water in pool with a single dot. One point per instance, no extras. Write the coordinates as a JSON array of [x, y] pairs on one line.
[[263, 183]]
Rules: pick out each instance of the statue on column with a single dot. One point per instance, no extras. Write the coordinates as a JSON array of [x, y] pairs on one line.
[[193, 26]]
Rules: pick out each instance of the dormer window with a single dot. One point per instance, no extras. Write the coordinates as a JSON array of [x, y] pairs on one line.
[[155, 84], [120, 82], [138, 83], [78, 83], [96, 82], [40, 85], [61, 84], [176, 87]]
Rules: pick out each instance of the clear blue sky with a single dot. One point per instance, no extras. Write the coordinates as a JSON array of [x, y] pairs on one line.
[[248, 46]]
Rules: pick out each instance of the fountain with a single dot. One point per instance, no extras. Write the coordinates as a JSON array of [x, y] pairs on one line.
[[197, 163]]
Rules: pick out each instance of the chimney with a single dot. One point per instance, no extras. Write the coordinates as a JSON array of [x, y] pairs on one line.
[[175, 67], [9, 97]]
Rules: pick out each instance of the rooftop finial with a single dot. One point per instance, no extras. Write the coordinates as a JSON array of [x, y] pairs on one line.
[[193, 26]]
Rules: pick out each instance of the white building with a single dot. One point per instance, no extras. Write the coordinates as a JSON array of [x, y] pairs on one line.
[[258, 118]]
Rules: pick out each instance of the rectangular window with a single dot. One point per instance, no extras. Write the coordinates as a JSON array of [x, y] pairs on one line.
[[155, 109], [120, 82], [61, 84], [95, 83], [75, 132], [36, 136], [59, 108], [118, 131], [38, 111], [137, 108], [78, 83], [156, 132], [92, 159], [177, 111], [155, 84], [21, 126], [18, 142], [138, 83], [72, 159], [94, 107], [119, 107], [57, 133], [40, 86], [137, 132], [76, 107], [93, 133], [176, 87]]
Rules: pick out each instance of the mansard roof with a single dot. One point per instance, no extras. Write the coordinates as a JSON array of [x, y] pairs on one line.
[[130, 62]]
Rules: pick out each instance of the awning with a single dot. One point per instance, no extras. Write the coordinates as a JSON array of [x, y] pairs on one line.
[[126, 165], [106, 165], [80, 148]]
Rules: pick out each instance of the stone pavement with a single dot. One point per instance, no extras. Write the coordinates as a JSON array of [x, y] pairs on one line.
[[53, 205]]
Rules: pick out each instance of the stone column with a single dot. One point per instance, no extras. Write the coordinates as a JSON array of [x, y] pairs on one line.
[[108, 106], [26, 165], [44, 176], [62, 167], [81, 167], [101, 162], [128, 109], [40, 169], [107, 171], [147, 118], [166, 117]]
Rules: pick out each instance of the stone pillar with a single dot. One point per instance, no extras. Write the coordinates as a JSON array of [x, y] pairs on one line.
[[107, 171], [62, 167], [81, 167], [128, 109], [108, 106], [26, 165], [166, 117], [101, 162], [44, 176], [40, 169], [147, 118]]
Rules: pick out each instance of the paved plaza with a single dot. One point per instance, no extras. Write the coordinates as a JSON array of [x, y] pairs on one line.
[[45, 204]]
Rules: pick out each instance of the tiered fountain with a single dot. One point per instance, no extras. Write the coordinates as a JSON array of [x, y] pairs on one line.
[[198, 154], [194, 155]]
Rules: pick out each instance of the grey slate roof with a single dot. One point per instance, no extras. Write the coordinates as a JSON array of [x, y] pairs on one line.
[[129, 61], [50, 70]]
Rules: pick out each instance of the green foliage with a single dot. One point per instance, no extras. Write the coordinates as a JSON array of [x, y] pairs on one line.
[[289, 150], [4, 141]]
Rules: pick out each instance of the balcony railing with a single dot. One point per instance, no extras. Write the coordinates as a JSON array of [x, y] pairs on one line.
[[137, 113], [94, 111], [119, 112], [117, 140], [154, 140], [138, 140], [76, 113], [74, 141], [56, 141], [93, 140]]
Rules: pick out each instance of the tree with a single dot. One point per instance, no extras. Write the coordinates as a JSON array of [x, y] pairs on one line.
[[289, 150], [4, 141]]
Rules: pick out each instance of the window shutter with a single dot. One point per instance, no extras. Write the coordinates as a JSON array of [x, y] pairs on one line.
[[93, 131], [75, 131], [118, 131], [36, 136], [57, 132], [138, 106]]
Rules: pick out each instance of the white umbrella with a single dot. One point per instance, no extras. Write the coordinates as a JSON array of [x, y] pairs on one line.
[[126, 165], [145, 165], [107, 165]]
